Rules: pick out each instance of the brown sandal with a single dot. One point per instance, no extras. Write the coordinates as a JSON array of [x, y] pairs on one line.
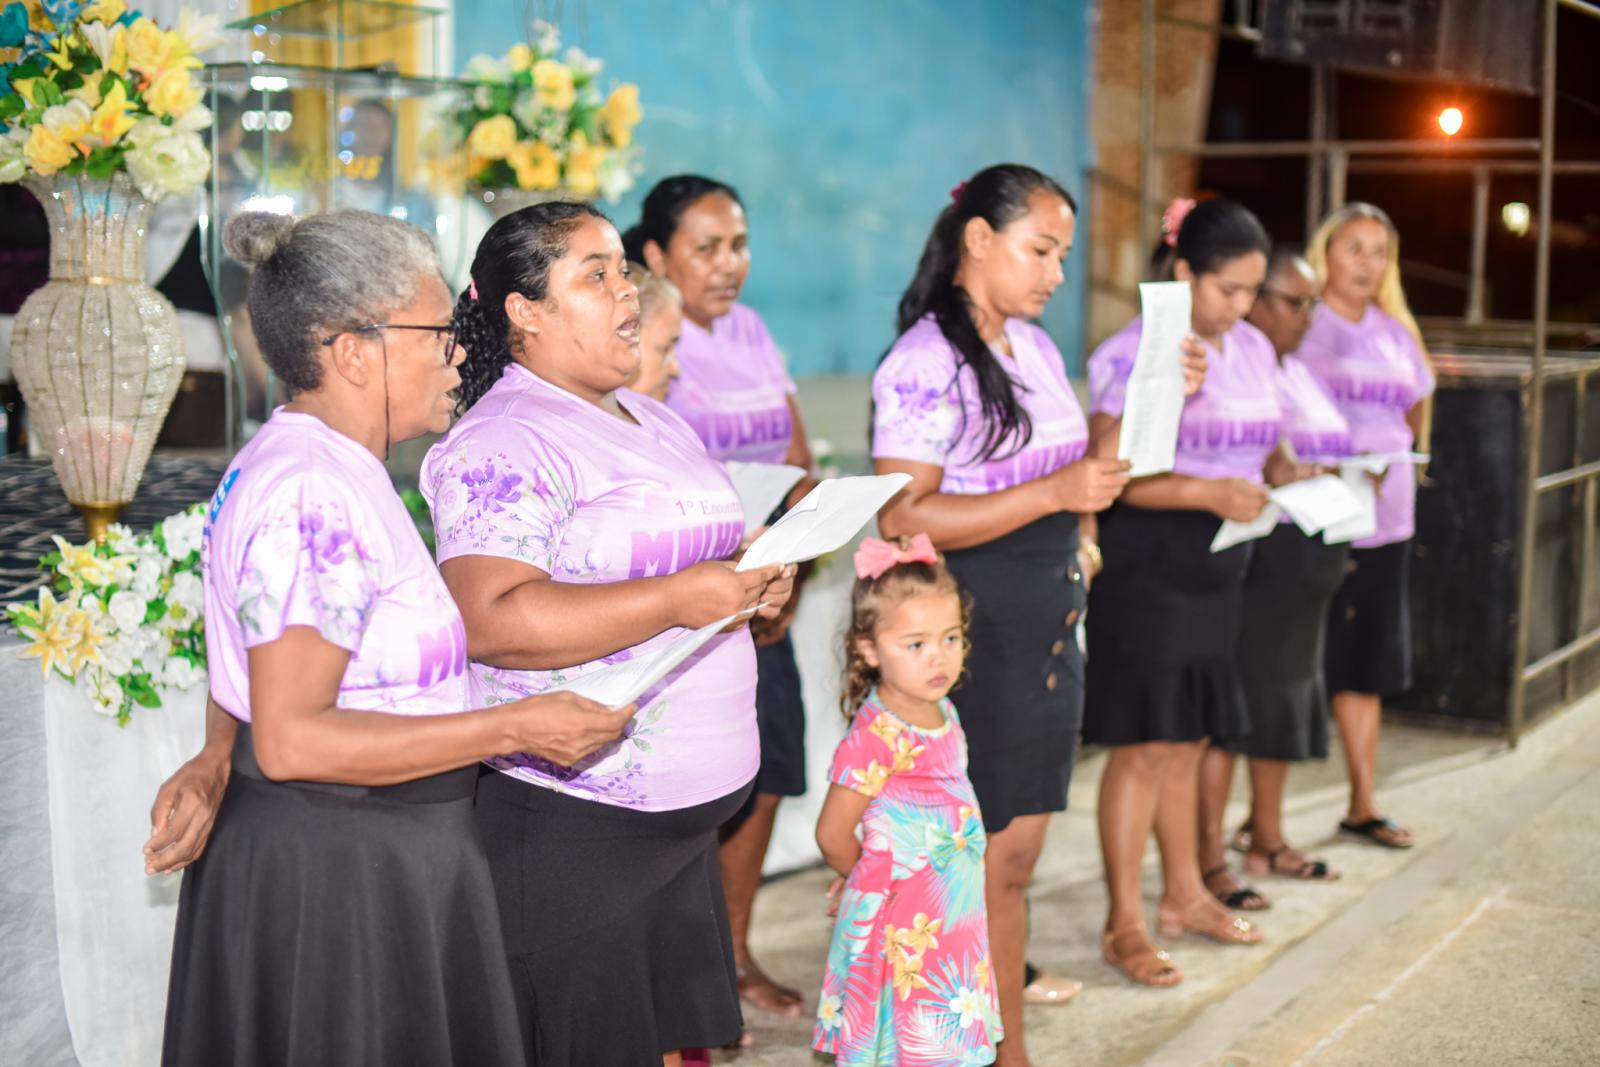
[[1207, 921], [1145, 963]]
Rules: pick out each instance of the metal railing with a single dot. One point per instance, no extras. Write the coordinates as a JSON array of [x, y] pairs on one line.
[[1330, 162]]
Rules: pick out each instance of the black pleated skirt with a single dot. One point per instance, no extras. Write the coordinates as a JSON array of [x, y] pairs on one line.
[[1369, 623], [340, 925], [1163, 623], [1021, 698], [1282, 628], [615, 924]]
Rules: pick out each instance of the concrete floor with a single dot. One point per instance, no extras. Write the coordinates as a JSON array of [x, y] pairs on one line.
[[1479, 947]]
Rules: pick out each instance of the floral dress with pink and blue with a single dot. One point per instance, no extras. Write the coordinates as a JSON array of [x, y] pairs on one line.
[[908, 980]]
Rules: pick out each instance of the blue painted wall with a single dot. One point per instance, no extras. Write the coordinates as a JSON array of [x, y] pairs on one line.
[[843, 124]]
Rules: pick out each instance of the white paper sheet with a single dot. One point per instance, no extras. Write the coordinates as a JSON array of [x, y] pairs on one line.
[[1231, 533], [1378, 462], [761, 488], [1365, 522], [620, 684], [825, 519], [1154, 400], [1318, 503]]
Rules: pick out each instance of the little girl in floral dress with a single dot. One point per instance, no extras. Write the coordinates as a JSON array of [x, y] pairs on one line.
[[908, 981]]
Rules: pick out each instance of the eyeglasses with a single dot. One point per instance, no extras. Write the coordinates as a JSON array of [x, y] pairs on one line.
[[450, 333], [1300, 305]]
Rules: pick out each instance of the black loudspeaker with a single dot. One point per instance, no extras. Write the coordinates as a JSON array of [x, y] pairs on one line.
[[1483, 42]]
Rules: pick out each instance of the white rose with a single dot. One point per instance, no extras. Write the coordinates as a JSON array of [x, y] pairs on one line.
[[117, 655], [179, 673], [166, 166], [194, 120], [188, 593], [13, 165], [127, 610], [68, 119], [182, 533], [482, 68], [147, 576]]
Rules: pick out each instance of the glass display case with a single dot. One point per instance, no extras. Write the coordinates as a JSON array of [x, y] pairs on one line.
[[348, 35], [297, 134]]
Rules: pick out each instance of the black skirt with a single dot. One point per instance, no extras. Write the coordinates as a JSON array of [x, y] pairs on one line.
[[616, 928], [1282, 628], [781, 718], [1369, 623], [330, 924], [1021, 698], [1163, 622]]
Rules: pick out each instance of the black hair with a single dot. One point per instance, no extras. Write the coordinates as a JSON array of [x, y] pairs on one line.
[[998, 195], [1211, 234], [514, 257], [664, 207]]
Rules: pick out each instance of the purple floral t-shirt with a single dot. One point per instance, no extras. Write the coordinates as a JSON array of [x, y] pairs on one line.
[[1377, 374], [307, 530], [733, 389], [927, 410], [1231, 425], [534, 474]]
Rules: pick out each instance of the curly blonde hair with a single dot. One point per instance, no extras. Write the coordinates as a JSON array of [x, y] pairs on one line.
[[871, 600]]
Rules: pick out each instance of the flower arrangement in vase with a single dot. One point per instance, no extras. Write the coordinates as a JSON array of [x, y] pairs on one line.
[[536, 123], [99, 118], [122, 617]]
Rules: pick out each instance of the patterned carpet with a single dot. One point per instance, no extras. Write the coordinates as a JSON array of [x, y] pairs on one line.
[[32, 508]]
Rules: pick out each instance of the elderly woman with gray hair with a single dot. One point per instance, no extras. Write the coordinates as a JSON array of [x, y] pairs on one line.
[[343, 911]]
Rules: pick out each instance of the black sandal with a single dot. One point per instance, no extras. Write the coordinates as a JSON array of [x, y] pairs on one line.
[[1369, 831], [1245, 898], [1309, 871]]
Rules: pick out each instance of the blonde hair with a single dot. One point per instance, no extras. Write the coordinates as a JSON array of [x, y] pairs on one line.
[[654, 290], [1391, 298], [870, 601]]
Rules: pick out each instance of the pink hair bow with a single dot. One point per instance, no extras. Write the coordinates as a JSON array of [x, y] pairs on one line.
[[472, 289], [1172, 219], [876, 556]]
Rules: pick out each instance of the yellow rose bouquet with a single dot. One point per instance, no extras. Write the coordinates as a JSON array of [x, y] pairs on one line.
[[92, 89], [533, 121]]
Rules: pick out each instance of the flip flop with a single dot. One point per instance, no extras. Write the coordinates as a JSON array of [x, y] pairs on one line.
[[1369, 831]]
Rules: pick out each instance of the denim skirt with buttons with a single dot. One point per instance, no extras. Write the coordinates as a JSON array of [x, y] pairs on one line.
[[1021, 698]]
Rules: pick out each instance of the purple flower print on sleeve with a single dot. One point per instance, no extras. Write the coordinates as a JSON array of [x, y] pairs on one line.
[[306, 566]]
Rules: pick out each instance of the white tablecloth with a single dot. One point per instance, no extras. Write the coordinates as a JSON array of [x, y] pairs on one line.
[[85, 937]]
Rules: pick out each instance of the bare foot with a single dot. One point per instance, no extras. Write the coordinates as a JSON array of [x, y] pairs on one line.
[[759, 991]]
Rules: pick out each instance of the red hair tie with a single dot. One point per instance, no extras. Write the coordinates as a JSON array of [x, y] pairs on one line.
[[875, 556], [955, 194], [1172, 220]]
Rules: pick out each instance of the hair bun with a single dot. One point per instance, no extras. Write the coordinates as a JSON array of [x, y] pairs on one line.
[[253, 237]]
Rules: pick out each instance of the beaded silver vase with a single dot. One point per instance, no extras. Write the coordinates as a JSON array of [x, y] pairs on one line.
[[97, 353]]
